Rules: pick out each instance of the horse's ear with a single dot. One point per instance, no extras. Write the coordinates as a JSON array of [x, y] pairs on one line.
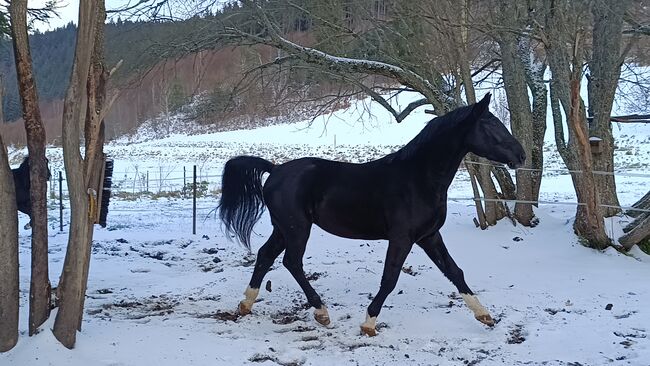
[[481, 107]]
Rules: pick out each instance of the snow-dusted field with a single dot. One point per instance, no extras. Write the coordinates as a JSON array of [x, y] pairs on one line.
[[161, 296], [158, 295]]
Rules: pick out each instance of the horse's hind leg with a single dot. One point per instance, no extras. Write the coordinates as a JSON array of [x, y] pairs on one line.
[[265, 258], [296, 240], [436, 250]]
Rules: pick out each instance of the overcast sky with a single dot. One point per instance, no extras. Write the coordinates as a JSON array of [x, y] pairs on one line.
[[69, 11]]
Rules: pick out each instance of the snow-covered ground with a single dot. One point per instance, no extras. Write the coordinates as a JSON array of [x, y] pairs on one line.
[[158, 295]]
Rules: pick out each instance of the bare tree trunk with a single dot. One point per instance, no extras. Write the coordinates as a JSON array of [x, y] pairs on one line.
[[72, 284], [39, 292], [605, 67], [589, 220], [9, 296], [520, 122], [522, 70], [638, 233], [561, 30], [2, 93], [94, 134], [489, 211]]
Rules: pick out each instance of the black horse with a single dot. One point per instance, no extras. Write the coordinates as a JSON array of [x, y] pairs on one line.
[[401, 197], [22, 185]]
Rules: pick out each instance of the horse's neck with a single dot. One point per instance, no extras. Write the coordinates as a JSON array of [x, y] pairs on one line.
[[440, 158]]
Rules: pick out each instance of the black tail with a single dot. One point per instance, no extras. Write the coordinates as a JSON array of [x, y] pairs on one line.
[[242, 201], [106, 191]]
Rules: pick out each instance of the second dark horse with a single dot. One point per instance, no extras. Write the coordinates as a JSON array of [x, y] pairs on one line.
[[401, 197], [22, 185]]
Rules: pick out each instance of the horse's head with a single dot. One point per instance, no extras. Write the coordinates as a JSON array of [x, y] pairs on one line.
[[489, 137]]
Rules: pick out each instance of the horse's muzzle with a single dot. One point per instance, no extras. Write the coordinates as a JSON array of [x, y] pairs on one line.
[[519, 163]]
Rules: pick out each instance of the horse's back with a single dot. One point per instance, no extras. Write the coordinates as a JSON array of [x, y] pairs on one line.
[[344, 199]]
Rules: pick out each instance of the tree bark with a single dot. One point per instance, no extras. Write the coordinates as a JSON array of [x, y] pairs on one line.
[[72, 283], [488, 211], [94, 134], [9, 295], [640, 232], [521, 122], [589, 221], [643, 203], [523, 70], [605, 67], [39, 292], [566, 68], [2, 91]]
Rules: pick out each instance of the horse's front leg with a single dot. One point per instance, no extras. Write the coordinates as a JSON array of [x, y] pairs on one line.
[[397, 252], [436, 250]]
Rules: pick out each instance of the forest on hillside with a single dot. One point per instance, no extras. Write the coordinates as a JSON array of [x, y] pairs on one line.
[[165, 64]]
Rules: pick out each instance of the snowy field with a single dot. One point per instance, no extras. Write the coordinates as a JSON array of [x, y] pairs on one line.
[[158, 295]]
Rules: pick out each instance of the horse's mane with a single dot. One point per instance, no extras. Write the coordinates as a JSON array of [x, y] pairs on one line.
[[434, 128]]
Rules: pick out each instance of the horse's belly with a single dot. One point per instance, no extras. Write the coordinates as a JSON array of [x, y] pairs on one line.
[[352, 230]]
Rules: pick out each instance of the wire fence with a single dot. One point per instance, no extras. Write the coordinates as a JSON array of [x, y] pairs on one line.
[[169, 182], [184, 183]]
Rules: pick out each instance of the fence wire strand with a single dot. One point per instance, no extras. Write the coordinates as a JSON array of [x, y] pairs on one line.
[[159, 183]]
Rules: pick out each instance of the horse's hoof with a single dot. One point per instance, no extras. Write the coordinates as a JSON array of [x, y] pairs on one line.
[[322, 316], [486, 319], [244, 309], [370, 332], [323, 319]]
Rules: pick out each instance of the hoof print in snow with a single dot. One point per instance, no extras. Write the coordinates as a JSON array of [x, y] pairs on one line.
[[225, 316], [409, 271], [636, 334], [94, 311], [268, 286], [517, 335], [555, 311], [625, 315], [517, 238], [609, 306], [210, 268], [140, 270], [260, 358], [210, 251], [154, 255], [302, 329], [313, 276], [294, 314], [285, 319]]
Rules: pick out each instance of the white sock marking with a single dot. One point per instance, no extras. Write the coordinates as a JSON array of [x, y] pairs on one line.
[[475, 305], [370, 322], [251, 296]]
